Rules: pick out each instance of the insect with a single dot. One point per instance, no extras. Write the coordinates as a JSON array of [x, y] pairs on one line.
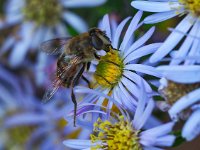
[[75, 56]]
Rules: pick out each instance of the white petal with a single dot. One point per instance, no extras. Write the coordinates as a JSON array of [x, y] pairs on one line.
[[147, 112], [117, 33], [181, 74], [127, 96], [78, 144], [26, 118], [106, 25], [38, 37], [132, 87], [75, 21], [145, 50], [61, 30], [13, 6], [151, 6], [158, 131], [131, 29], [140, 41], [11, 20], [80, 89], [21, 48], [8, 43], [183, 51], [137, 79], [152, 122], [195, 47], [41, 64], [159, 17], [151, 148], [191, 128], [82, 3], [123, 100], [183, 103], [167, 140], [142, 100], [115, 94], [143, 69], [173, 39]]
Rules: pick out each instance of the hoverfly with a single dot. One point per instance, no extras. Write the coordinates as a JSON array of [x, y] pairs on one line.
[[75, 56]]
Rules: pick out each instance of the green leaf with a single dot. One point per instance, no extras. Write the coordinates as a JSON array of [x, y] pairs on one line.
[[179, 139]]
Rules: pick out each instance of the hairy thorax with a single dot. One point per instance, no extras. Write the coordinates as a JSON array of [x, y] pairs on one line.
[[81, 46]]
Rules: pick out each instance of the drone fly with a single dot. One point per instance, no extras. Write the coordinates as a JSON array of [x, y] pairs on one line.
[[75, 56]]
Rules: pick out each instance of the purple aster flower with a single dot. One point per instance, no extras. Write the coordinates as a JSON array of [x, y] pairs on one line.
[[118, 72], [39, 21], [190, 24], [124, 131], [181, 89], [24, 122]]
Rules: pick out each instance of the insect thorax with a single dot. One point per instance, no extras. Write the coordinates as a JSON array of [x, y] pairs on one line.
[[81, 46]]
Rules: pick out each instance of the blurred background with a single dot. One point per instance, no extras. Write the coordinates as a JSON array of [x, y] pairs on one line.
[[26, 72]]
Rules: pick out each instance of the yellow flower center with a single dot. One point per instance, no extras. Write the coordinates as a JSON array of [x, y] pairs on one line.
[[192, 6], [18, 136], [42, 11], [109, 70], [117, 136], [175, 91]]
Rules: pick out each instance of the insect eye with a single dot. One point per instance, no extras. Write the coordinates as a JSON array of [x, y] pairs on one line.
[[97, 42]]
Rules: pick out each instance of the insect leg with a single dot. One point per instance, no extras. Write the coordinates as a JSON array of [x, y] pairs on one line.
[[86, 80], [88, 66], [75, 79], [96, 56], [75, 105], [111, 48]]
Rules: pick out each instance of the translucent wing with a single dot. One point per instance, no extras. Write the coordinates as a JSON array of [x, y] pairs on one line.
[[51, 90], [54, 46], [74, 60]]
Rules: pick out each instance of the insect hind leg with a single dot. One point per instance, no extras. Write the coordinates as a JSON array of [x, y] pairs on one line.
[[75, 79], [75, 105]]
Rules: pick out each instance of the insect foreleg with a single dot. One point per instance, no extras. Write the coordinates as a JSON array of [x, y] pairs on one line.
[[96, 56], [75, 79]]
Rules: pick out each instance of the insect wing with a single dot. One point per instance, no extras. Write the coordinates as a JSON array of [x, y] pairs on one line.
[[54, 46], [51, 90], [75, 60]]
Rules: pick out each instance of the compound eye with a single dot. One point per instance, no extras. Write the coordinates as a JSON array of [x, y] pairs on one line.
[[97, 42]]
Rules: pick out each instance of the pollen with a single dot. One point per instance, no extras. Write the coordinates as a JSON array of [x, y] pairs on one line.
[[109, 70], [192, 6], [175, 91], [117, 136], [45, 12]]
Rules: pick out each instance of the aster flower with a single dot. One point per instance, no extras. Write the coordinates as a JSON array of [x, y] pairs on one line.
[[181, 89], [122, 131], [118, 72], [190, 24], [24, 122], [39, 21]]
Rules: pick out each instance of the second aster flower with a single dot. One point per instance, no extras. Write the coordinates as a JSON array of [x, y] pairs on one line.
[[181, 89]]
